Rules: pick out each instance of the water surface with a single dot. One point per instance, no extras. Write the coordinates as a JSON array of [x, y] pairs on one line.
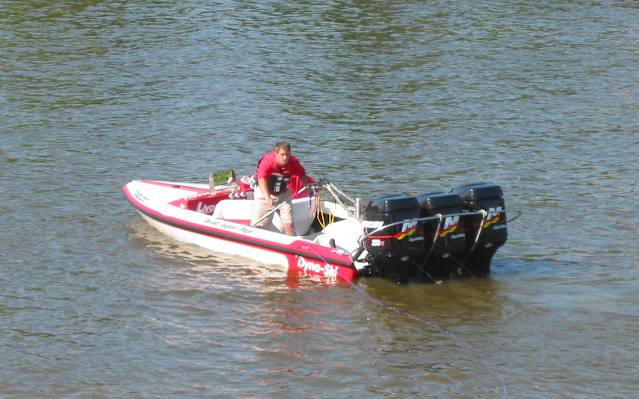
[[540, 98]]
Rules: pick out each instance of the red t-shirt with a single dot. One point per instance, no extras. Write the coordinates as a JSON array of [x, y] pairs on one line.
[[292, 172], [268, 166]]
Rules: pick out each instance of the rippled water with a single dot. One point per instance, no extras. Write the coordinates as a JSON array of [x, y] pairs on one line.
[[539, 97]]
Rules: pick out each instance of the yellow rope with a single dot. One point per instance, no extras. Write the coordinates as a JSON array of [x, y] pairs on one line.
[[321, 216]]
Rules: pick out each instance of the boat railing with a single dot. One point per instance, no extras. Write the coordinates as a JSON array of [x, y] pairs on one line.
[[351, 206], [439, 218]]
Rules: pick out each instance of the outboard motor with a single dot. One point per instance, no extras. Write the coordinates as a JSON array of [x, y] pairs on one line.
[[395, 251], [494, 232], [445, 241]]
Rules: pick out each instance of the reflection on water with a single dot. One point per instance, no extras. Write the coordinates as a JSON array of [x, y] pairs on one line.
[[205, 263]]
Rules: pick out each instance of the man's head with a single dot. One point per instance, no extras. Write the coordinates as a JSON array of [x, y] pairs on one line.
[[282, 153]]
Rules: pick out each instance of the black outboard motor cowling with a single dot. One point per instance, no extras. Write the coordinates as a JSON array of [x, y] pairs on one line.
[[494, 233], [445, 246], [394, 251]]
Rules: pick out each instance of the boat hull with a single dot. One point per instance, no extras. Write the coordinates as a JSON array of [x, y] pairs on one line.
[[293, 254]]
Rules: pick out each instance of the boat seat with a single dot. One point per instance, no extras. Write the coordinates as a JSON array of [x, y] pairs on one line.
[[240, 211], [235, 210], [303, 216], [345, 234]]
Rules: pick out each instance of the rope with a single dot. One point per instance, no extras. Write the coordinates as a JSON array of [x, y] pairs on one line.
[[444, 331], [321, 218]]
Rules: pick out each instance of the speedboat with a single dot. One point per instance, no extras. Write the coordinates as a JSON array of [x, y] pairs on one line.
[[405, 238]]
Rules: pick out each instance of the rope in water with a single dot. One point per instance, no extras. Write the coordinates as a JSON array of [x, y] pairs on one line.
[[458, 341]]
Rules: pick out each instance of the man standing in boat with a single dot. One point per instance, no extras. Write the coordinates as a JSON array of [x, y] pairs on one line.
[[274, 171]]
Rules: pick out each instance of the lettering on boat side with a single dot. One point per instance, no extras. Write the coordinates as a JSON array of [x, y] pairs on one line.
[[228, 226], [203, 208], [140, 196], [312, 267]]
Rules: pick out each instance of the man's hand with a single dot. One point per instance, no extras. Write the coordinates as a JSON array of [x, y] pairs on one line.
[[262, 185], [270, 199]]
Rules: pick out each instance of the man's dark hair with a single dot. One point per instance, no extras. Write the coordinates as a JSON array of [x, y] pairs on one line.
[[283, 144]]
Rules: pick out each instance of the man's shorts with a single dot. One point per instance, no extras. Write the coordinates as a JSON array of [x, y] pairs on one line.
[[260, 208]]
